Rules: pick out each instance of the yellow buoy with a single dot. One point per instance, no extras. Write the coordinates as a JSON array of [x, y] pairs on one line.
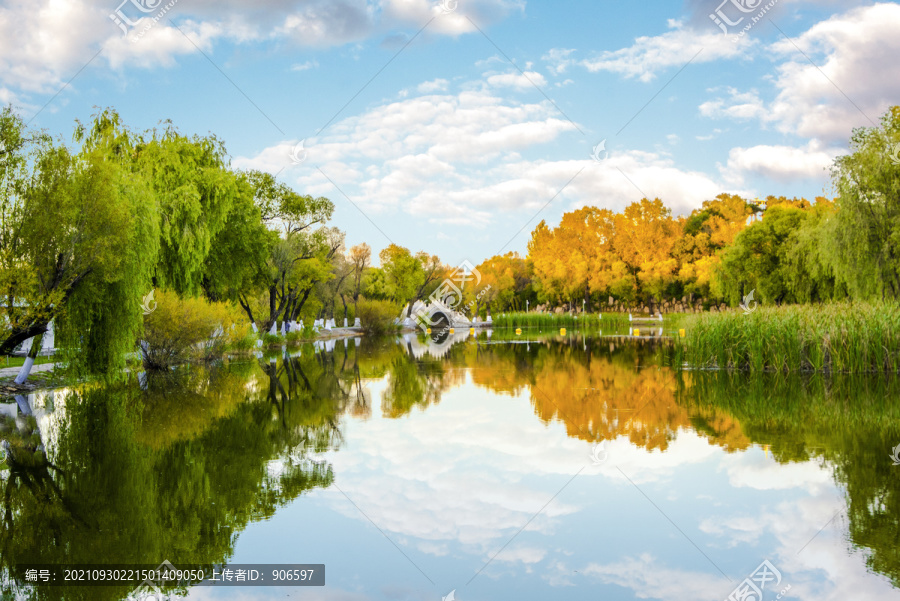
[[637, 332], [562, 331], [681, 333], [452, 331], [472, 331], [518, 331], [428, 330]]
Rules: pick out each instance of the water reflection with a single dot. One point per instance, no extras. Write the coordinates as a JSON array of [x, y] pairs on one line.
[[450, 447]]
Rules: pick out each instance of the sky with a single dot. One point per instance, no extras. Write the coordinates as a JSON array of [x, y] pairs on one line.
[[456, 126]]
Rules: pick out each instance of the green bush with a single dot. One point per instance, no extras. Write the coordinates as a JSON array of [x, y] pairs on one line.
[[272, 340], [377, 317], [294, 336], [180, 329], [246, 343]]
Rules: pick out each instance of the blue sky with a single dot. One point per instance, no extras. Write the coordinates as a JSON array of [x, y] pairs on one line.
[[456, 127]]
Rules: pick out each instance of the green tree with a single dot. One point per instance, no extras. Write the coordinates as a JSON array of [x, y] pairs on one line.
[[865, 248], [196, 192], [758, 259], [89, 265], [409, 277], [298, 256]]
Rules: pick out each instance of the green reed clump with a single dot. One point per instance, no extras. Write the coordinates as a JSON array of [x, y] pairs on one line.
[[833, 337], [564, 320]]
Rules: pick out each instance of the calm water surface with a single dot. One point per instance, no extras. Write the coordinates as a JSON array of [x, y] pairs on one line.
[[530, 468]]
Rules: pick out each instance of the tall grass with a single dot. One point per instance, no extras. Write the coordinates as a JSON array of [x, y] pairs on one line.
[[834, 337], [564, 320]]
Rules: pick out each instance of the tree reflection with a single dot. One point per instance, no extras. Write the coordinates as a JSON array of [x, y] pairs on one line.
[[850, 422], [175, 470], [176, 467]]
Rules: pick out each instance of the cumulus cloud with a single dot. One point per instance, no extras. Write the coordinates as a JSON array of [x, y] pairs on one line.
[[738, 105], [459, 159], [784, 164], [839, 74], [651, 54], [43, 42], [435, 85]]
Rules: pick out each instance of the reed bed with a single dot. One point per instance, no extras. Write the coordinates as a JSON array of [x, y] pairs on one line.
[[553, 321], [834, 337]]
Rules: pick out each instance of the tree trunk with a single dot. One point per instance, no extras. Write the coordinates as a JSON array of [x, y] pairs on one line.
[[36, 344], [17, 337]]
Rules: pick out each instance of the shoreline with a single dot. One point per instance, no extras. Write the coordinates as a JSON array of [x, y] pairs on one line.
[[36, 381]]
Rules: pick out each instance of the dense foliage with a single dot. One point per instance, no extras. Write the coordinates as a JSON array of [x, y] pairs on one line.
[[136, 211]]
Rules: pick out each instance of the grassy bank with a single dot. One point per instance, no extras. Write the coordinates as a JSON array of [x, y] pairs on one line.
[[564, 320], [836, 337]]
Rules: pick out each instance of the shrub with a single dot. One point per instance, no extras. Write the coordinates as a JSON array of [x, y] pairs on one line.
[[180, 329], [272, 340], [377, 317], [246, 343]]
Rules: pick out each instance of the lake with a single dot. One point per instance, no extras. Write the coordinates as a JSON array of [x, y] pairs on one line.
[[527, 467]]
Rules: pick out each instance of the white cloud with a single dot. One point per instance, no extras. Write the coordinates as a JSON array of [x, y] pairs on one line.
[[856, 77], [649, 55], [650, 580], [860, 49], [43, 42], [458, 159], [738, 105], [783, 164], [525, 79], [435, 85], [304, 66], [558, 60]]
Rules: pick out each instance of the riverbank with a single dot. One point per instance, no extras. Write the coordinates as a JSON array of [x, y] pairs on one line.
[[45, 376]]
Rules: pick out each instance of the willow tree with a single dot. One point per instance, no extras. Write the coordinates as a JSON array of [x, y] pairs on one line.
[[866, 229], [79, 239], [196, 193]]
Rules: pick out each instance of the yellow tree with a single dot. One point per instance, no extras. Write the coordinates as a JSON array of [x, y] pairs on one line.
[[549, 270], [645, 236], [707, 231], [509, 277], [360, 256]]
